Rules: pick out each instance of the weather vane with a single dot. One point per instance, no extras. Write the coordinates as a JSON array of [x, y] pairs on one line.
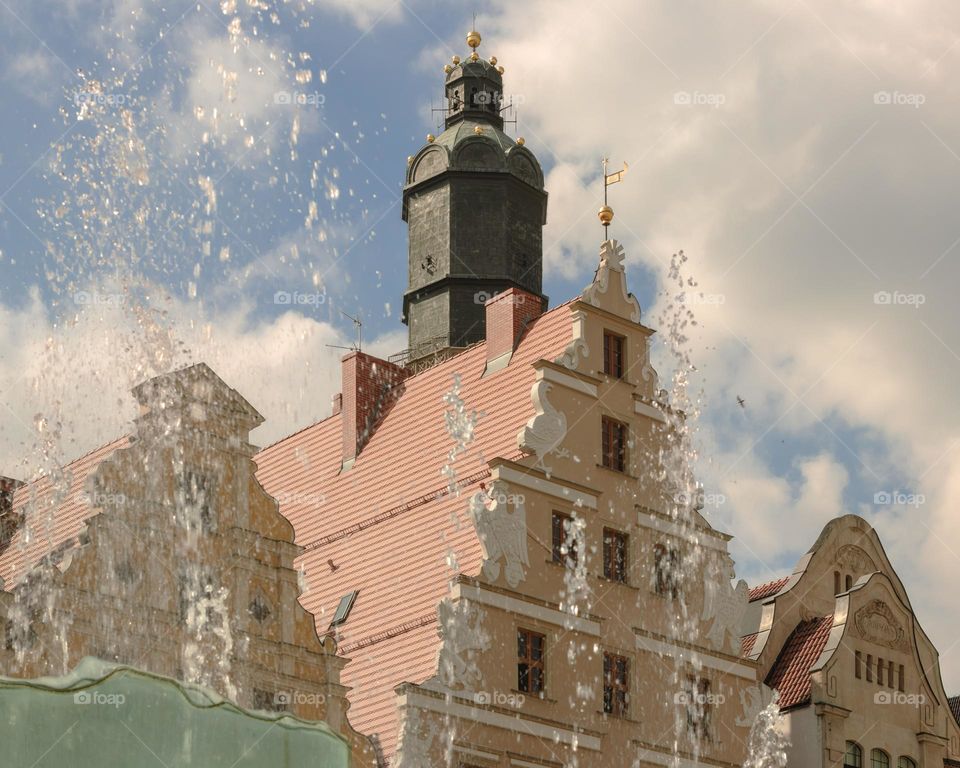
[[606, 213]]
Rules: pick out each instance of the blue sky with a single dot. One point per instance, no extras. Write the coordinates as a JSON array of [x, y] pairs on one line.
[[804, 156]]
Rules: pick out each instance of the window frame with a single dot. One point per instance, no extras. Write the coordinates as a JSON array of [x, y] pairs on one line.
[[616, 686], [614, 452], [611, 538], [699, 712], [856, 751], [558, 536], [879, 758], [614, 357], [528, 638]]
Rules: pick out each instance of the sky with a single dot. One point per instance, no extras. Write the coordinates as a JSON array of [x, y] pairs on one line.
[[158, 189]]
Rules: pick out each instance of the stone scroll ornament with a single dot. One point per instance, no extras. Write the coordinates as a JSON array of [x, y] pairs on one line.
[[544, 432], [503, 534], [463, 637], [724, 605]]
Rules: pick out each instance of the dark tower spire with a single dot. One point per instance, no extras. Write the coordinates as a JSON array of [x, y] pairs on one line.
[[475, 207]]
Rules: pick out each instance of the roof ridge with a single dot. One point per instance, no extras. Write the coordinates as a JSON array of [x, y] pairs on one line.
[[72, 462]]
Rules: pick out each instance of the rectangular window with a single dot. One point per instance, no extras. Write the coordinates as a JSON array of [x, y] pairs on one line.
[[614, 444], [858, 665], [880, 667], [195, 501], [900, 681], [615, 555], [530, 661], [613, 354], [561, 554], [869, 668], [699, 708], [616, 684], [890, 676]]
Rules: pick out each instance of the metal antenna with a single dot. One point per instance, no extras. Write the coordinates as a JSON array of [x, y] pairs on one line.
[[358, 324]]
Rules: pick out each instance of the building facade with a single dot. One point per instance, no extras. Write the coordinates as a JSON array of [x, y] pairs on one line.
[[160, 551], [859, 680]]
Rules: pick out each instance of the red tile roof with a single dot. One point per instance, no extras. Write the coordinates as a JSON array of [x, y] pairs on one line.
[[55, 514], [768, 589], [746, 644], [790, 674], [955, 707], [388, 525]]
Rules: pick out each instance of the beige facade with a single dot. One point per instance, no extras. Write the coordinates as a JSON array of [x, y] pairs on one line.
[[686, 690], [873, 685], [168, 556]]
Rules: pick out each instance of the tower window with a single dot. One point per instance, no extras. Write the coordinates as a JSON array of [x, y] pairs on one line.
[[616, 684], [849, 583], [880, 668], [858, 665], [530, 647], [869, 668], [614, 444], [563, 554], [615, 555], [854, 756], [890, 675], [900, 681], [614, 346], [836, 582]]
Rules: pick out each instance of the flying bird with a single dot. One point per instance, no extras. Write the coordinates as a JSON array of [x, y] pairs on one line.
[[741, 402]]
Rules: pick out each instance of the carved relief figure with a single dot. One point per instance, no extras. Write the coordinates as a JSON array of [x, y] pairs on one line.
[[724, 605], [503, 535]]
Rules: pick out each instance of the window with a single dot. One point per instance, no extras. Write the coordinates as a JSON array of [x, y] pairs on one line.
[[890, 675], [906, 762], [614, 444], [195, 501], [869, 668], [615, 555], [613, 354], [343, 608], [880, 667], [900, 681], [849, 583], [836, 582], [854, 756], [561, 552], [879, 759], [616, 684], [666, 562], [699, 708], [858, 665], [529, 661]]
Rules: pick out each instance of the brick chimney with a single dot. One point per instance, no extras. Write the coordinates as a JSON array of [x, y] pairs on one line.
[[367, 385], [9, 520], [508, 314]]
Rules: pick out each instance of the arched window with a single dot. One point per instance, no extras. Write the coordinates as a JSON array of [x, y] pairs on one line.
[[836, 582], [849, 583], [854, 756], [879, 759], [906, 762]]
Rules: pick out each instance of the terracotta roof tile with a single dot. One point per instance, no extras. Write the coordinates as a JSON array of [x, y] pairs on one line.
[[768, 589], [790, 674], [55, 515], [746, 644], [387, 524]]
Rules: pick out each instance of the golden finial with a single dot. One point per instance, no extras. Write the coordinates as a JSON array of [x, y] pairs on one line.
[[493, 61], [521, 141], [447, 68], [431, 138], [409, 159], [606, 215], [474, 56], [455, 60], [473, 39], [478, 129], [500, 70]]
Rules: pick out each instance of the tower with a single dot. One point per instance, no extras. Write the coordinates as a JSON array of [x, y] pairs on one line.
[[475, 207]]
